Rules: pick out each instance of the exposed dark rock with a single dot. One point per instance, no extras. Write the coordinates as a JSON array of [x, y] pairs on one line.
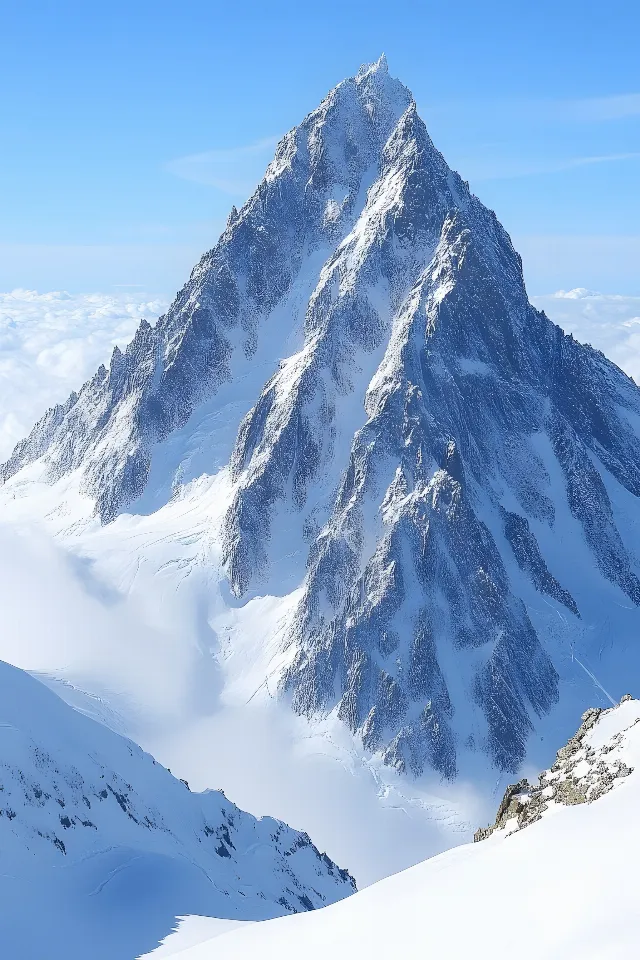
[[527, 553], [580, 774]]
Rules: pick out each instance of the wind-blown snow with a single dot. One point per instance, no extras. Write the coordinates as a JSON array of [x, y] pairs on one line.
[[564, 887]]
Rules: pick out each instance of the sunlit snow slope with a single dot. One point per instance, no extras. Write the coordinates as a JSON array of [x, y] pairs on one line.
[[353, 528], [100, 846], [564, 887]]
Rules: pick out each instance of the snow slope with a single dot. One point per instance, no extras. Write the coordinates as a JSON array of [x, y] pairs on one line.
[[566, 886], [100, 846], [352, 510]]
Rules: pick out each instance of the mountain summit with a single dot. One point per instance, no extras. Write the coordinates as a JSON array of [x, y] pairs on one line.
[[447, 481]]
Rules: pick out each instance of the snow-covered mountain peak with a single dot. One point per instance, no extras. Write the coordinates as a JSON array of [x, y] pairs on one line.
[[375, 85], [404, 451], [346, 130], [379, 66]]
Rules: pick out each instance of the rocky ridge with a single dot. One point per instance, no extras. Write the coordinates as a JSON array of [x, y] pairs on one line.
[[72, 791], [581, 773]]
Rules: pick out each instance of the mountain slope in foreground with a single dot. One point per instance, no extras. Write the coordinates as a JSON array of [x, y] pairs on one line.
[[564, 887], [101, 847]]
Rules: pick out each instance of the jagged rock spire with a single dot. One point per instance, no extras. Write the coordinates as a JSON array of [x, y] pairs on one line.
[[409, 436]]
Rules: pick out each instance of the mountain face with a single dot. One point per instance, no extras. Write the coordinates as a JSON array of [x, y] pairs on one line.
[[93, 830], [436, 461]]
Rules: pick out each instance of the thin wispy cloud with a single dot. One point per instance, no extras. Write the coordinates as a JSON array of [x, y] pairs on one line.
[[607, 158], [234, 171], [237, 170], [505, 138], [540, 110], [497, 168], [594, 109]]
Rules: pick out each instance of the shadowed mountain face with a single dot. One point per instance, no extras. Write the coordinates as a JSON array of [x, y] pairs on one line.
[[359, 354]]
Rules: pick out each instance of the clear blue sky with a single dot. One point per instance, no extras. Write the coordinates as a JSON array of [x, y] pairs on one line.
[[127, 129]]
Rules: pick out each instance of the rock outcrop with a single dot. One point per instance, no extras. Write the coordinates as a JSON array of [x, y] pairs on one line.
[[581, 773]]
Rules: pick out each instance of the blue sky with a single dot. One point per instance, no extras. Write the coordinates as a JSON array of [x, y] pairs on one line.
[[128, 129]]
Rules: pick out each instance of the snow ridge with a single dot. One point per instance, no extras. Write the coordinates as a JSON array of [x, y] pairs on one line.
[[575, 866]]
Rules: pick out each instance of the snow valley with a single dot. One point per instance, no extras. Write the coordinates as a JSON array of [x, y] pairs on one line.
[[351, 531]]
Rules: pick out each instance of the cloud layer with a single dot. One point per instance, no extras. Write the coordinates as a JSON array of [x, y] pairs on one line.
[[50, 343]]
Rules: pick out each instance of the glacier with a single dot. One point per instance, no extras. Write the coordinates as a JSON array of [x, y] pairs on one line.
[[352, 509]]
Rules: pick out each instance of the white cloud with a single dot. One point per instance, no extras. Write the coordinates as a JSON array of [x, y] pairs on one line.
[[235, 171], [50, 343], [609, 322]]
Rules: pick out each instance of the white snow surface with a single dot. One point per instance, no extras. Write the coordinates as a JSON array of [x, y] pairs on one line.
[[563, 887], [100, 845], [133, 625]]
